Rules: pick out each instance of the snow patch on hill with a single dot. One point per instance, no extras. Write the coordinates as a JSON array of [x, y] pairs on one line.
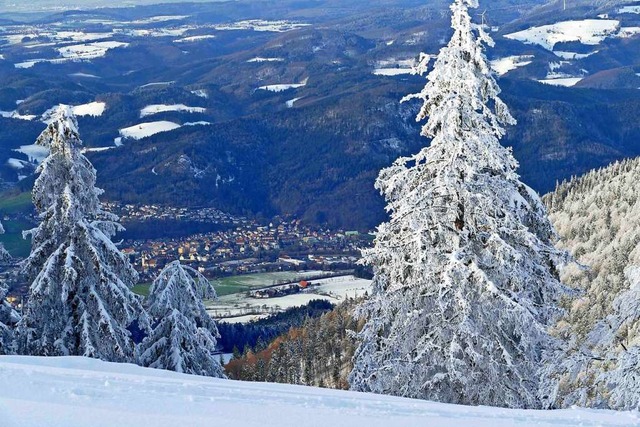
[[192, 39], [85, 75], [562, 81], [35, 153], [261, 59], [283, 87], [261, 25], [95, 109], [16, 115], [630, 9], [161, 18], [588, 31], [80, 392], [144, 130], [503, 65], [89, 50], [392, 71], [202, 93], [163, 108]]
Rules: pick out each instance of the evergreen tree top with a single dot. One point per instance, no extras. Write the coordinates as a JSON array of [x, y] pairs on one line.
[[461, 96], [179, 287]]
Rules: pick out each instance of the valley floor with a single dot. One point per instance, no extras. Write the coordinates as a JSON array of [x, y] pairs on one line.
[[74, 392]]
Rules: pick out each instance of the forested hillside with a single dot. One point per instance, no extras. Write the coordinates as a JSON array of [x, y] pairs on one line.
[[598, 219]]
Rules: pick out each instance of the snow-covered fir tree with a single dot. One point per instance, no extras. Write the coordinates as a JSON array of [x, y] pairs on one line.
[[598, 219], [466, 280], [80, 302], [184, 336]]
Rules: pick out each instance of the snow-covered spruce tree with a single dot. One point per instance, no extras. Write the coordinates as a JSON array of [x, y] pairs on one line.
[[80, 301], [465, 281], [184, 337]]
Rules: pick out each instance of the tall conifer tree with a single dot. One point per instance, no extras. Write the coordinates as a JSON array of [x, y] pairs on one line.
[[80, 302], [465, 279], [184, 336]]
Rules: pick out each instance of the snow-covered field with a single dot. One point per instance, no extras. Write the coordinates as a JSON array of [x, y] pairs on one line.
[[80, 392], [394, 67], [392, 71], [630, 9], [588, 31], [95, 109], [238, 308], [163, 108], [144, 130], [192, 39], [160, 18], [35, 153], [89, 50], [261, 59], [282, 87], [290, 103], [16, 115], [261, 25], [563, 81], [503, 65]]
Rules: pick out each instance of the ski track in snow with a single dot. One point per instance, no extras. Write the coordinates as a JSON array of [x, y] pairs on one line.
[[75, 391]]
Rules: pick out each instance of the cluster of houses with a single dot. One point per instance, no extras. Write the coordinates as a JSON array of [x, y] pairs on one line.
[[249, 247], [129, 213], [280, 290]]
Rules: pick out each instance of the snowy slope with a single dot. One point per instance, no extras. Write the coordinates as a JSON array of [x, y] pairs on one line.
[[74, 392]]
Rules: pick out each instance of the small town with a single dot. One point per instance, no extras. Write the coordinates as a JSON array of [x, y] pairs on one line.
[[243, 246]]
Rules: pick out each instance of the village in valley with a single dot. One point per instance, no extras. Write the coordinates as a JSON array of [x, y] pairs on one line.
[[274, 261], [241, 245]]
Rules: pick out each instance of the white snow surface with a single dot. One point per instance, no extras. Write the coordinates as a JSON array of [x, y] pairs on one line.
[[163, 108], [588, 31], [95, 109], [290, 103], [17, 164], [192, 39], [89, 50], [85, 75], [566, 81], [503, 65], [261, 25], [392, 71], [573, 55], [35, 153], [80, 392], [202, 93], [630, 9], [160, 18], [261, 59], [144, 130], [283, 87], [16, 115]]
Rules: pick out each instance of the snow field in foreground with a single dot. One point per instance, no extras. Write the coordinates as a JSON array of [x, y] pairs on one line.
[[80, 392]]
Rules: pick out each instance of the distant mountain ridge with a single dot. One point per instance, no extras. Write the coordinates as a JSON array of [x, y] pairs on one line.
[[313, 148]]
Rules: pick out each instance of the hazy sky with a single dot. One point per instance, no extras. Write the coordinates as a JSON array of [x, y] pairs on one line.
[[53, 5]]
